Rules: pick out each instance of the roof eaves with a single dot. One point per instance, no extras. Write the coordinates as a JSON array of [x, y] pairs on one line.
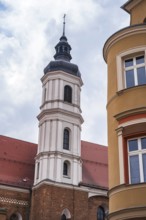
[[129, 5]]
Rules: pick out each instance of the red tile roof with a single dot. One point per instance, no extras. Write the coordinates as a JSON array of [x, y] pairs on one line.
[[95, 164], [17, 163]]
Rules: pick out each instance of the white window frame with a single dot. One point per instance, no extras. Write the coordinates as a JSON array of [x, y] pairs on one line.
[[138, 153], [131, 53], [134, 67]]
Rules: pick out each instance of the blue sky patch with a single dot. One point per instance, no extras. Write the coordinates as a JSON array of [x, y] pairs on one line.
[[6, 32], [3, 7]]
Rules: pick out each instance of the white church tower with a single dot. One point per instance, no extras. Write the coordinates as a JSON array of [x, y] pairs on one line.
[[59, 149]]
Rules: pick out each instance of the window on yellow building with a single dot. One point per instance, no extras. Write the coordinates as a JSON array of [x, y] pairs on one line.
[[135, 71], [131, 68], [137, 160]]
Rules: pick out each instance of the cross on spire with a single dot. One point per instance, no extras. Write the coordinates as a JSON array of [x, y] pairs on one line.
[[64, 24]]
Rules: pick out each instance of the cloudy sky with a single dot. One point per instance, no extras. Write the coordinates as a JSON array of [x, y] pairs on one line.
[[29, 30]]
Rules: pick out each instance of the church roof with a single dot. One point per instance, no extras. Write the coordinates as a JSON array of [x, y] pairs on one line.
[[17, 162], [63, 65], [62, 57], [95, 164]]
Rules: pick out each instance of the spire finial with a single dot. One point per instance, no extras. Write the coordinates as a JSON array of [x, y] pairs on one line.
[[64, 24]]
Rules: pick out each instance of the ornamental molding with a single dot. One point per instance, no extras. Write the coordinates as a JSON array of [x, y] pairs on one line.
[[130, 112], [125, 187], [128, 6], [13, 201], [121, 34], [59, 113], [56, 154], [60, 101], [61, 75]]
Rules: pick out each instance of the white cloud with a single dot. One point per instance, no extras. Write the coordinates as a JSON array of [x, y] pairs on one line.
[[29, 30]]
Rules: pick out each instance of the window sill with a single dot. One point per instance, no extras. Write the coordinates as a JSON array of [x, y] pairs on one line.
[[66, 177], [120, 92]]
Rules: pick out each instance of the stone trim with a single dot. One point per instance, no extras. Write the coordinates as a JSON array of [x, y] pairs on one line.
[[13, 201], [128, 213], [17, 189], [130, 112]]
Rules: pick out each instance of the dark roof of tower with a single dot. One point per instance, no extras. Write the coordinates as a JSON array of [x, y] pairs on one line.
[[64, 66], [63, 50], [62, 58]]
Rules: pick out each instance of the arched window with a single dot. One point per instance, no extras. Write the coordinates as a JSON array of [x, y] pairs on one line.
[[65, 214], [65, 169], [100, 213], [63, 217], [68, 94], [45, 94], [14, 217], [66, 139]]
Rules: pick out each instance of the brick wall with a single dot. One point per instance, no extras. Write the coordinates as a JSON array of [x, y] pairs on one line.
[[48, 202], [14, 201], [94, 203]]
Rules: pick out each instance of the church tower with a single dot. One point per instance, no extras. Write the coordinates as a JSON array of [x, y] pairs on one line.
[[125, 54], [56, 193], [59, 150]]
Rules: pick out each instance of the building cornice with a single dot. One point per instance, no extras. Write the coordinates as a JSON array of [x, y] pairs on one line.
[[96, 191], [128, 213], [121, 34], [130, 112], [129, 5], [57, 153], [59, 74], [60, 101], [125, 187], [16, 189], [61, 112]]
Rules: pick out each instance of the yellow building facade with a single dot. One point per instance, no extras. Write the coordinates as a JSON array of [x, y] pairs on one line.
[[125, 55]]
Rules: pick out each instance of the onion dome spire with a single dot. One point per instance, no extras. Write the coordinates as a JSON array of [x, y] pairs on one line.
[[63, 48]]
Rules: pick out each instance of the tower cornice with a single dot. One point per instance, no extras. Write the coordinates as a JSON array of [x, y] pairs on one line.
[[60, 74], [60, 112]]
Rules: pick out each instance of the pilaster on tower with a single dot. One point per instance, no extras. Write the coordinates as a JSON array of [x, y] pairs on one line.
[[59, 149]]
